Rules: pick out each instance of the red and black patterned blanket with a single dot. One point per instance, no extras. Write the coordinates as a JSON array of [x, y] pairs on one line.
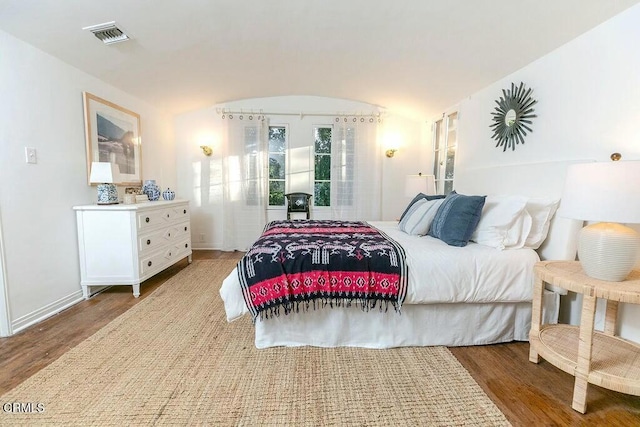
[[304, 264]]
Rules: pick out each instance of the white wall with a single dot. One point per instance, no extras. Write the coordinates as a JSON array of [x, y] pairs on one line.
[[588, 94], [197, 173], [42, 108]]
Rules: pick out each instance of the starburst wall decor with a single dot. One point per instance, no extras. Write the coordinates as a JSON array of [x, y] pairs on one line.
[[512, 117]]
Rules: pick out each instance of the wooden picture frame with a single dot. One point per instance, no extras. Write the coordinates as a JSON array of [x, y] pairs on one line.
[[113, 135]]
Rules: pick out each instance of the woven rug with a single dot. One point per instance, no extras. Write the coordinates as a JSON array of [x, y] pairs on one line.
[[173, 359]]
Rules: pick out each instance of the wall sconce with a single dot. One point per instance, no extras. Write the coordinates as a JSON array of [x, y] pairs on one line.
[[389, 153], [206, 150]]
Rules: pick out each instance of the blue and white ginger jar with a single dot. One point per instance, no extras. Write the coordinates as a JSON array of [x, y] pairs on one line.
[[151, 189], [168, 194]]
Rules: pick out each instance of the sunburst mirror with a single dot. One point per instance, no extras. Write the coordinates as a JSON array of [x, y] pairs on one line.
[[512, 117]]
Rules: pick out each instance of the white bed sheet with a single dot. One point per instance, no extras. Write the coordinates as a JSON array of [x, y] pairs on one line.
[[439, 273]]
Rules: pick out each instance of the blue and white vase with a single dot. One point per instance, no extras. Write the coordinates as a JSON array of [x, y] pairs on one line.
[[168, 194], [151, 189], [107, 194]]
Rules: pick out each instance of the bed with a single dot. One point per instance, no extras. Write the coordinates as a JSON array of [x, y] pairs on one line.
[[456, 296]]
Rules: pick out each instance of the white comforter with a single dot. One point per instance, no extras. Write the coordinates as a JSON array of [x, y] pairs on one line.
[[439, 273]]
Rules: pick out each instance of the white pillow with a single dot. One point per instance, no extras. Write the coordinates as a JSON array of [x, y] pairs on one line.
[[504, 222], [419, 217], [519, 231], [541, 211]]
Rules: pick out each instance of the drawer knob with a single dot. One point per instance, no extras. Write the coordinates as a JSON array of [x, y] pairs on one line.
[[149, 264], [185, 229], [169, 234], [167, 215], [184, 211], [148, 241], [186, 245], [147, 219]]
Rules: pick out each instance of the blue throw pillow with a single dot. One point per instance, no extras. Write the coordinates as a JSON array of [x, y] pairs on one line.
[[457, 218], [420, 196]]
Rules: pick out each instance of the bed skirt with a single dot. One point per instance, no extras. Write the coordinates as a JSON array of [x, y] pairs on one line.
[[458, 324]]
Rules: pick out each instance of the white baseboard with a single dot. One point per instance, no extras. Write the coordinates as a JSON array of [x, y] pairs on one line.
[[46, 311]]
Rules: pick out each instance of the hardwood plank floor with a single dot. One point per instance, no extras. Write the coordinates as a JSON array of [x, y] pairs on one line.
[[527, 393]]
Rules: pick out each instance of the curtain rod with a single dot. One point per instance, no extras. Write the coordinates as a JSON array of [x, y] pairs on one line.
[[251, 112]]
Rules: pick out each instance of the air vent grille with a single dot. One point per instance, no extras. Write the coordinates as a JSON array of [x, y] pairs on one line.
[[108, 33]]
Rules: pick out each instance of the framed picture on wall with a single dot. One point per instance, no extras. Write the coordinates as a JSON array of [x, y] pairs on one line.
[[113, 135]]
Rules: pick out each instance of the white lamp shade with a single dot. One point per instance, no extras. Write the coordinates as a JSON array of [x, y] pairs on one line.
[[606, 191], [104, 173], [419, 183]]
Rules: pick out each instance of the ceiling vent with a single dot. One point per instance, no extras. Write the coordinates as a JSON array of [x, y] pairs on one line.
[[108, 33]]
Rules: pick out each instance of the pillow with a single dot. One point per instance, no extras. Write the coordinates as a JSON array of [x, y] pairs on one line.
[[541, 211], [457, 218], [420, 196], [519, 231], [503, 223], [419, 217]]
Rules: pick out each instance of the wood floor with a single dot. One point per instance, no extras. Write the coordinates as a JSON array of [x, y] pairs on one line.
[[528, 394]]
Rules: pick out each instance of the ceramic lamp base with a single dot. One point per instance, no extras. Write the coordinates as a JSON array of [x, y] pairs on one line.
[[608, 251], [107, 194]]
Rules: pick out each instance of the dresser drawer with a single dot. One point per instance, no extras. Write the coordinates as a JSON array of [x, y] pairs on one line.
[[155, 240], [183, 247], [165, 257], [147, 220], [181, 230], [181, 213], [160, 238], [152, 263]]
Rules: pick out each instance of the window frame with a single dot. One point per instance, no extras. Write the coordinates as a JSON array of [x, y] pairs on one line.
[[445, 146], [313, 179], [286, 165]]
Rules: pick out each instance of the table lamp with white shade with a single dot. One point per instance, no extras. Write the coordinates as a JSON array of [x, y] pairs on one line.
[[607, 193], [419, 183], [106, 175]]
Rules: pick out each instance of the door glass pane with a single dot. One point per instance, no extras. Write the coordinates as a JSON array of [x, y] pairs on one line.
[[453, 121], [436, 132], [322, 193], [276, 193], [276, 166], [277, 139], [323, 140], [448, 187], [451, 155], [322, 167]]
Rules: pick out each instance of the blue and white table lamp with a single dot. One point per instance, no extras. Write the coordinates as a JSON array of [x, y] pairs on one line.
[[106, 175]]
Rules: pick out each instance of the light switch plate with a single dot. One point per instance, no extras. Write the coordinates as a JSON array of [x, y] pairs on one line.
[[31, 155]]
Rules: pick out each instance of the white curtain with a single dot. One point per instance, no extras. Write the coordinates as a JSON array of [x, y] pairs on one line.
[[244, 179], [356, 170]]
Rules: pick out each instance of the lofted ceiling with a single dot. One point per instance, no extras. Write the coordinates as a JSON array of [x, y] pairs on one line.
[[416, 57]]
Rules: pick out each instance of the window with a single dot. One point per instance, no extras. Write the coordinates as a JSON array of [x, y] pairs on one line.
[[445, 141], [322, 166], [277, 164]]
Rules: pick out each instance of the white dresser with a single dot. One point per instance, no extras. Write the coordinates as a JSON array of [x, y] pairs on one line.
[[127, 244]]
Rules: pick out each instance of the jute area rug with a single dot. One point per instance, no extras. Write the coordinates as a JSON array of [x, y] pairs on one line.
[[173, 359]]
